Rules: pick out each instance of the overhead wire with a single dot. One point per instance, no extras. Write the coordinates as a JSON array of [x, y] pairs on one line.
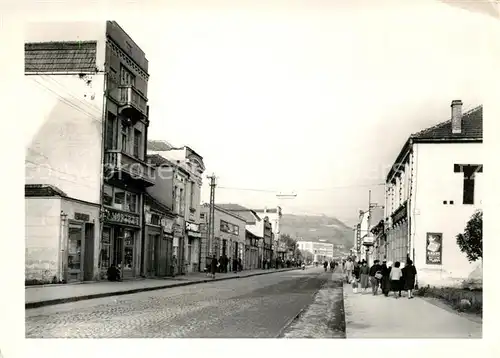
[[89, 105], [302, 190], [78, 108]]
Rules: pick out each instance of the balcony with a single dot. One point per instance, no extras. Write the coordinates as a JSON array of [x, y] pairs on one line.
[[123, 166], [132, 103]]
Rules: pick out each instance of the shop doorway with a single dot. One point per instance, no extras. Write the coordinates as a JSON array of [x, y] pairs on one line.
[[88, 263], [75, 251], [153, 251]]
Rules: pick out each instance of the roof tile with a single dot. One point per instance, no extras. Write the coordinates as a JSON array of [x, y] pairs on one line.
[[472, 128], [60, 56]]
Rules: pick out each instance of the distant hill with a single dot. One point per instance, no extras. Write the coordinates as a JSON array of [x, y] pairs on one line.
[[310, 227]]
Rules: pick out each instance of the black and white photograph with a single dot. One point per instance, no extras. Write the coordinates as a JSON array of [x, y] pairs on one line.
[[247, 169]]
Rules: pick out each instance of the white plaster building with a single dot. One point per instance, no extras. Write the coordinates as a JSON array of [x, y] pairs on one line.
[[432, 190], [87, 84], [320, 250]]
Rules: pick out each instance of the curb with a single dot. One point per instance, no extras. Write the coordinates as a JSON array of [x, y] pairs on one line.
[[57, 301]]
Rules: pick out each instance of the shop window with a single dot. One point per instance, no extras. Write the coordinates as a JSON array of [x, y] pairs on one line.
[[107, 195], [74, 248], [128, 243], [105, 256]]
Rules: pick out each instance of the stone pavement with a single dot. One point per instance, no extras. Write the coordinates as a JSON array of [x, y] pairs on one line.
[[369, 316], [254, 307], [324, 318], [39, 296]]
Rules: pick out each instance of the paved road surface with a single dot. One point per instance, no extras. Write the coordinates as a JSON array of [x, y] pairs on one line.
[[255, 307]]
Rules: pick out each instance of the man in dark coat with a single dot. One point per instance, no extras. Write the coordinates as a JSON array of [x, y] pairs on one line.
[[213, 266], [385, 282], [375, 271]]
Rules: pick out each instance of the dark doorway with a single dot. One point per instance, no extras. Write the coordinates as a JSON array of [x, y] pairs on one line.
[[88, 263]]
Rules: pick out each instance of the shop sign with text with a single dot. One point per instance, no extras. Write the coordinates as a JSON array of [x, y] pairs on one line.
[[121, 217]]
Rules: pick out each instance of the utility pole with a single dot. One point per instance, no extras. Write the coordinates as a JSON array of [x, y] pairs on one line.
[[211, 215], [369, 219]]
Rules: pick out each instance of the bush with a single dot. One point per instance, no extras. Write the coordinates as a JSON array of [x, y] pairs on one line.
[[453, 297]]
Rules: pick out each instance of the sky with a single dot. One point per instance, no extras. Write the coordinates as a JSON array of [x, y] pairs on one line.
[[314, 97]]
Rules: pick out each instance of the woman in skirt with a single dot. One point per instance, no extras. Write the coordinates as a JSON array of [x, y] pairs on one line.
[[395, 276]]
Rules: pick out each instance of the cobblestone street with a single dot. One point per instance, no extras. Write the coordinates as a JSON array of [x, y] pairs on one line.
[[254, 307]]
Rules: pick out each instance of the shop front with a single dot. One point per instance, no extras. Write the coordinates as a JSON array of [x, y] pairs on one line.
[[64, 248], [193, 247], [167, 246], [121, 243], [79, 258]]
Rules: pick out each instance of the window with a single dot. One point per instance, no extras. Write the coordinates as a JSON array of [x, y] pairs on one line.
[[120, 199], [126, 77], [110, 131], [177, 201], [137, 142], [131, 202], [155, 219], [202, 216], [469, 172], [191, 201], [182, 201], [107, 195], [124, 134]]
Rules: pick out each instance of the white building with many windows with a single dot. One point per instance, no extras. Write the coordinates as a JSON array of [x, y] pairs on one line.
[[432, 190]]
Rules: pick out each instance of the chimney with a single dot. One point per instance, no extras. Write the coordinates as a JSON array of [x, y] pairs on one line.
[[456, 116]]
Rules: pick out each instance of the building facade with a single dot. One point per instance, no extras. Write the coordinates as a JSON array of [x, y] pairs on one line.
[[229, 236], [89, 85], [158, 238], [190, 169], [432, 190], [320, 251]]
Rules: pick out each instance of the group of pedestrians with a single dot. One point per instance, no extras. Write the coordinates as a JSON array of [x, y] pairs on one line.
[[389, 277]]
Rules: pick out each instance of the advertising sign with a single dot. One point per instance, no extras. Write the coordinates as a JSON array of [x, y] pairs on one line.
[[434, 248]]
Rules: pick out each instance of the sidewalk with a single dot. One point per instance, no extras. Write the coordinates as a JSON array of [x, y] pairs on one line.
[[40, 296], [369, 316]]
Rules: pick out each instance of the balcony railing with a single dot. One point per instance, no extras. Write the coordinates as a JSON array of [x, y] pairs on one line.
[[136, 169], [130, 97]]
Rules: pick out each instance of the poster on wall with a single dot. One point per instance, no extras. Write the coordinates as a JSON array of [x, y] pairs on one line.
[[434, 248]]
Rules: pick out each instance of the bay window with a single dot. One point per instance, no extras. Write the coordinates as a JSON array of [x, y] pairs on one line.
[[120, 199]]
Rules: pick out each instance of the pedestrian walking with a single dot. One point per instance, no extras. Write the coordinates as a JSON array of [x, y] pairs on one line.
[[385, 282], [395, 275], [364, 276], [213, 266], [409, 276], [356, 271], [325, 265], [375, 276], [349, 266]]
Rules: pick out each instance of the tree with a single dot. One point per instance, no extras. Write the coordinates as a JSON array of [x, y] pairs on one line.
[[471, 241]]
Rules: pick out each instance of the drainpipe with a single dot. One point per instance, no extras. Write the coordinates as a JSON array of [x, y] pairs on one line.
[[411, 244], [61, 246], [97, 240]]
